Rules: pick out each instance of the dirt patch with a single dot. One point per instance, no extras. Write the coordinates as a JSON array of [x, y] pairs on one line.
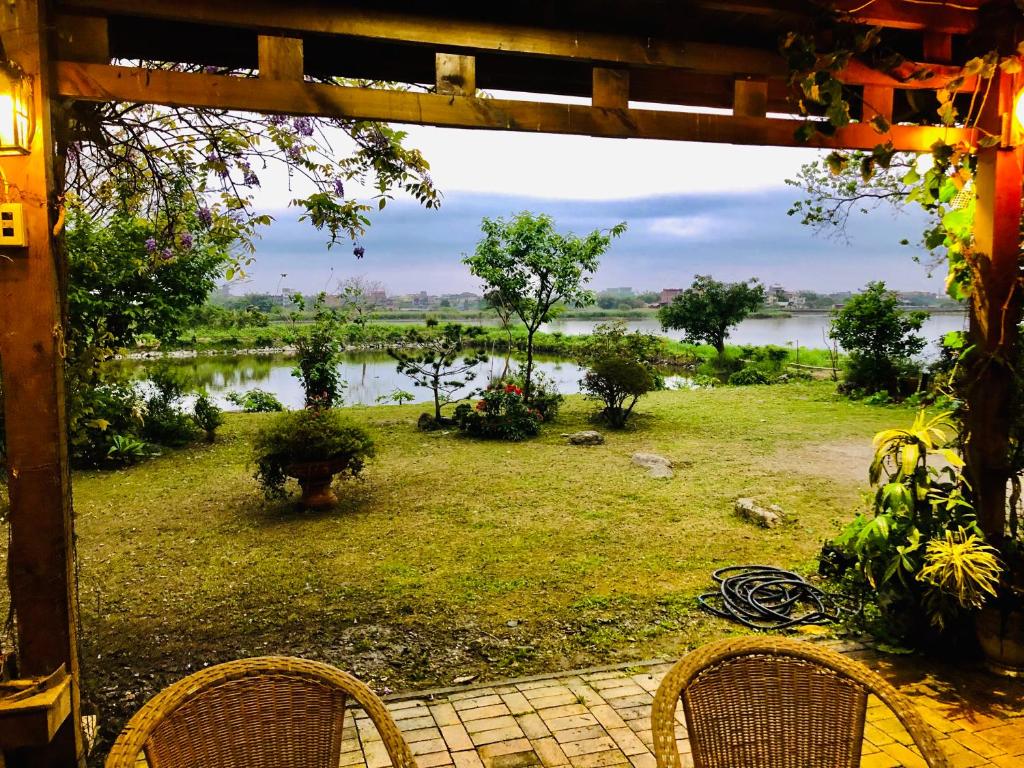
[[846, 460]]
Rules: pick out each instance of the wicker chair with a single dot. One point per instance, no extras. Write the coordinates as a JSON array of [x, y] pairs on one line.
[[760, 702], [269, 712]]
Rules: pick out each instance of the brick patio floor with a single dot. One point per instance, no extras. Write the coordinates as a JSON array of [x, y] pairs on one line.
[[601, 718]]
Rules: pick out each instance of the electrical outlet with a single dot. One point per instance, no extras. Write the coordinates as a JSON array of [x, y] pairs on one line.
[[12, 226]]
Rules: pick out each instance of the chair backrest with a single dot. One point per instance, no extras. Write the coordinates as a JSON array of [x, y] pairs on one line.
[[770, 702], [266, 712]]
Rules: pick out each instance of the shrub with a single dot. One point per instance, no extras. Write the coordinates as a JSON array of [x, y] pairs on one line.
[[703, 381], [748, 376], [620, 370], [919, 558], [207, 416], [125, 450], [165, 423], [114, 409], [255, 401], [307, 435], [500, 414], [881, 340], [544, 395]]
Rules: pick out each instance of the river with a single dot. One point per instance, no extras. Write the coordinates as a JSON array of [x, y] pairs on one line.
[[371, 376]]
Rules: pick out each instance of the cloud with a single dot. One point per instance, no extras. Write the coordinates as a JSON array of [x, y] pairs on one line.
[[732, 236], [685, 227]]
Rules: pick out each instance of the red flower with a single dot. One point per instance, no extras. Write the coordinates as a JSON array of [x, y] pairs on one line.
[[481, 405], [513, 389]]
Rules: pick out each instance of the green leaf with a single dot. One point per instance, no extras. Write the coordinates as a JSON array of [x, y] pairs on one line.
[[880, 124], [911, 176]]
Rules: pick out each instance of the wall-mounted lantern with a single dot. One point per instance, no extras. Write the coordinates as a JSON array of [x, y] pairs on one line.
[[17, 121]]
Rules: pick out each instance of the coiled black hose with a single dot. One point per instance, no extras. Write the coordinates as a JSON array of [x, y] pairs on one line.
[[763, 597]]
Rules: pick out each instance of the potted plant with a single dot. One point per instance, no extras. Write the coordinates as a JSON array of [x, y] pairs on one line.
[[312, 445]]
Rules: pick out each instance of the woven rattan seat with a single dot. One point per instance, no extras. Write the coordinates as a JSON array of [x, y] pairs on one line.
[[769, 702], [268, 712]]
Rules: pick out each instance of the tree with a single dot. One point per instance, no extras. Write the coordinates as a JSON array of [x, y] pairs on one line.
[[436, 365], [127, 279], [879, 338], [620, 369], [110, 152], [529, 267], [318, 354], [708, 309]]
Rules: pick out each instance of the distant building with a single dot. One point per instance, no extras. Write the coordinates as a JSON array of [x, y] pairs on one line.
[[668, 295]]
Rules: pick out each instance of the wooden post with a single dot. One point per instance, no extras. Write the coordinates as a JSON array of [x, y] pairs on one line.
[[610, 88], [877, 101], [994, 315], [281, 58], [40, 558], [750, 98], [455, 75]]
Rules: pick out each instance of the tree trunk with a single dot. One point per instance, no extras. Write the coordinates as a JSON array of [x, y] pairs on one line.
[[527, 382]]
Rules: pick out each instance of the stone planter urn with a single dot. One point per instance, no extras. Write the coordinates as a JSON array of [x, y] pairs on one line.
[[1000, 633], [315, 480]]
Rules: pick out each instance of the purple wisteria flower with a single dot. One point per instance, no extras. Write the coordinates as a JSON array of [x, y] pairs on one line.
[[294, 152], [150, 244], [339, 187], [251, 179], [276, 120], [359, 251], [166, 254], [205, 217], [303, 126], [186, 240]]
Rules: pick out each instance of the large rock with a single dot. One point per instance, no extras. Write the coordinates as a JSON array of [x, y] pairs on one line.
[[586, 437], [657, 466], [766, 517]]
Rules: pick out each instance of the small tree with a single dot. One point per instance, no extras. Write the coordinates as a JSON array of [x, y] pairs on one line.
[[318, 356], [620, 370], [879, 338], [531, 267], [436, 365], [708, 309]]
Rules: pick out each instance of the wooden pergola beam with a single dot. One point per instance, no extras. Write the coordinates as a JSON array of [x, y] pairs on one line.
[[97, 82]]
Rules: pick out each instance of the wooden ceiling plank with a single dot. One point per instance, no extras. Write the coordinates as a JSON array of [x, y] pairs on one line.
[[304, 16], [83, 38], [97, 82]]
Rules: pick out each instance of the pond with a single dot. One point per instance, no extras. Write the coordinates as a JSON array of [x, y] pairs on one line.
[[370, 376]]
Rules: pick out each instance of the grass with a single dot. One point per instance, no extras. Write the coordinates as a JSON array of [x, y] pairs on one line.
[[456, 557]]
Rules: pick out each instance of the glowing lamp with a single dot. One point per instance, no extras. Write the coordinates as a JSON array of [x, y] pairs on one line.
[[1018, 108], [17, 123]]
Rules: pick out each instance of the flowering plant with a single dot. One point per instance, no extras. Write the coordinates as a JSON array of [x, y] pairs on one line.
[[501, 413]]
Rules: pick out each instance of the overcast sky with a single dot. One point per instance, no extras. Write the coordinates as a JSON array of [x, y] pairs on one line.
[[690, 208]]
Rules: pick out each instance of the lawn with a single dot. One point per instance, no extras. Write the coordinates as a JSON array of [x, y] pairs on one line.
[[453, 557]]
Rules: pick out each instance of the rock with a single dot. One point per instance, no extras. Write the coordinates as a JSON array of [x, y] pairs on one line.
[[586, 437], [766, 517], [657, 466], [464, 679]]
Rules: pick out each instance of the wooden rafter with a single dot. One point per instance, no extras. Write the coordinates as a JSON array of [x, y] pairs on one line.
[[98, 82]]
